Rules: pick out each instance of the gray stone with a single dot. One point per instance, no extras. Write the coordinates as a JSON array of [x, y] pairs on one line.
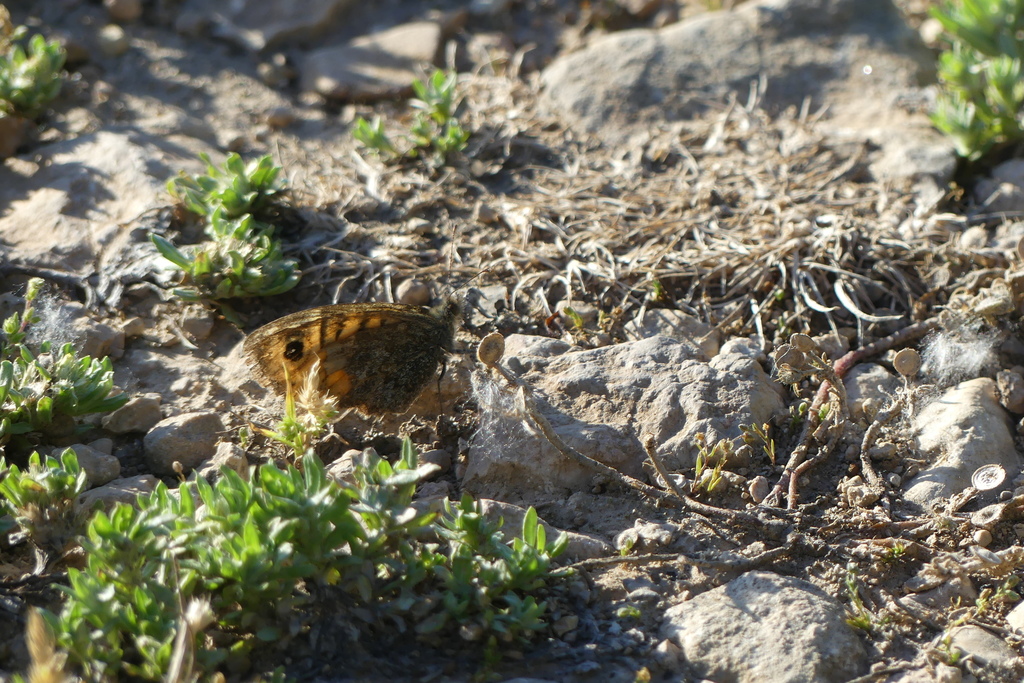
[[989, 653], [933, 672], [258, 24], [439, 457], [100, 468], [961, 431], [580, 546], [112, 40], [103, 445], [1015, 618], [139, 414], [1011, 390], [869, 381], [342, 470], [676, 325], [1003, 190], [98, 340], [378, 66], [858, 57], [118, 491], [14, 130], [167, 371], [764, 627], [227, 456], [78, 194], [123, 10], [600, 401], [413, 292], [189, 438], [197, 323]]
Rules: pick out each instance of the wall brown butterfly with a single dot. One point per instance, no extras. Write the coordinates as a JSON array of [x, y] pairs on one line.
[[374, 357]]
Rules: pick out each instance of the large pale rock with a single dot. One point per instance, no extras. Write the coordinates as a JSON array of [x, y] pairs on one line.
[[176, 376], [189, 438], [76, 196], [869, 381], [678, 326], [961, 431], [377, 66], [764, 627], [857, 57], [600, 402], [991, 657]]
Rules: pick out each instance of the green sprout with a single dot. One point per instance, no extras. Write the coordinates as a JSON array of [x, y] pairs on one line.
[[299, 429], [628, 612], [895, 553], [703, 477], [435, 133], [859, 616], [30, 73], [1004, 593], [981, 74], [658, 292], [243, 260], [754, 434], [574, 316], [373, 137]]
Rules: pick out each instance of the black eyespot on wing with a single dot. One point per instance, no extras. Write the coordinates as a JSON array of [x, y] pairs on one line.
[[293, 350]]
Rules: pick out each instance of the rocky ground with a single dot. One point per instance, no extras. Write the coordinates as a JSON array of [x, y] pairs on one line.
[[697, 186]]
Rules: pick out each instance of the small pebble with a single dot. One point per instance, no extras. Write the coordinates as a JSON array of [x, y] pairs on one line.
[[567, 623], [280, 117], [113, 41], [197, 323], [276, 73], [758, 488], [986, 556], [894, 479], [486, 214], [983, 537], [419, 226], [439, 457], [413, 292], [133, 327]]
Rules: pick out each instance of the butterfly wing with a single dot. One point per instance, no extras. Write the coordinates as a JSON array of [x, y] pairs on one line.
[[375, 357]]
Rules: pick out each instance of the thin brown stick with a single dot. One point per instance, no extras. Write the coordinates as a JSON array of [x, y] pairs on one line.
[[839, 369], [735, 516], [741, 565], [773, 529]]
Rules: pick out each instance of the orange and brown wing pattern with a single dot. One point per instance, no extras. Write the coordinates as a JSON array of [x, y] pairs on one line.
[[375, 357]]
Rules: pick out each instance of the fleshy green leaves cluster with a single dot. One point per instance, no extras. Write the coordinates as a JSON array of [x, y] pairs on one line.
[[235, 189], [41, 498], [30, 73], [43, 390], [981, 74], [241, 258], [255, 553]]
